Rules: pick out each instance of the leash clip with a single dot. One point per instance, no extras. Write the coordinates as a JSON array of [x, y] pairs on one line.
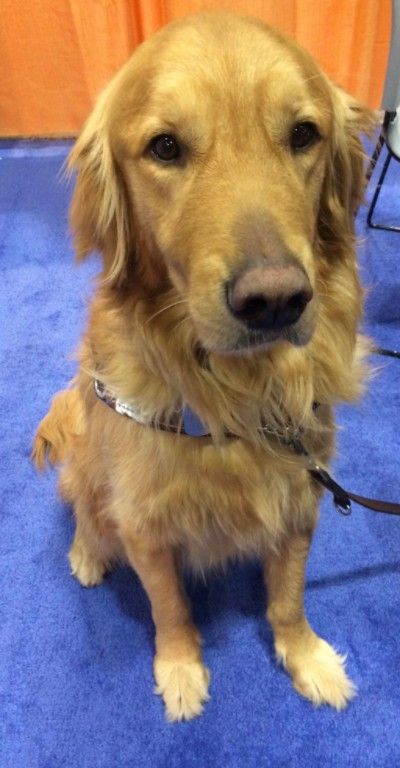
[[341, 498], [344, 509]]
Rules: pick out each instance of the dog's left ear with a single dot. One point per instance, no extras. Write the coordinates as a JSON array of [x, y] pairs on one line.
[[99, 213], [345, 180]]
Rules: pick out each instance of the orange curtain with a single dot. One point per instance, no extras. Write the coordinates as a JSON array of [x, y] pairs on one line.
[[56, 55]]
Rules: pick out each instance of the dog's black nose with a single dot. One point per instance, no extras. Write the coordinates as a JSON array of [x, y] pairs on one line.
[[269, 297]]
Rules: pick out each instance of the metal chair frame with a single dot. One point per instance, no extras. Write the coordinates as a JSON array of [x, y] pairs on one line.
[[374, 159], [390, 103]]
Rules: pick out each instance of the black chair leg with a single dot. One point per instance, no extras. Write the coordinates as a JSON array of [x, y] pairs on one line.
[[374, 200], [375, 157]]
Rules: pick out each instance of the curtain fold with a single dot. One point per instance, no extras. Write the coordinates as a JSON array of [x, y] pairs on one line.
[[56, 55]]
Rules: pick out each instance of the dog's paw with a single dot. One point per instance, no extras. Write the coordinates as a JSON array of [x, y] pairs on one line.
[[318, 673], [87, 569], [183, 686]]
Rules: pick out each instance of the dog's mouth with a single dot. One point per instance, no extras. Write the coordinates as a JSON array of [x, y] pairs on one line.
[[256, 340], [243, 341]]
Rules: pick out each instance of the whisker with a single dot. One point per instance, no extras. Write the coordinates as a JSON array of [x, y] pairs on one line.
[[164, 309]]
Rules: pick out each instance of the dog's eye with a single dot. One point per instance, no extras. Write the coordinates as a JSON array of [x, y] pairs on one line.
[[165, 148], [303, 136]]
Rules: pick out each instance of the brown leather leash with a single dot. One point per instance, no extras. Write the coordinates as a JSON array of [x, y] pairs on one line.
[[341, 497], [387, 352]]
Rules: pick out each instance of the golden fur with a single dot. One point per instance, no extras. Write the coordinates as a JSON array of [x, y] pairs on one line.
[[160, 333]]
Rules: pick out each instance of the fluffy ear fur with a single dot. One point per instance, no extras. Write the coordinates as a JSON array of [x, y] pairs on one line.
[[99, 213], [344, 182]]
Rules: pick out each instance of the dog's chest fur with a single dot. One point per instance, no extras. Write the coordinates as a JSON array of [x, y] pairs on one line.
[[211, 503]]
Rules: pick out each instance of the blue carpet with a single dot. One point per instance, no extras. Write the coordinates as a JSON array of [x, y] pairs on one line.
[[75, 664]]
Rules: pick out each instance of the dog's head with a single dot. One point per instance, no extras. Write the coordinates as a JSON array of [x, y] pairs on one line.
[[222, 160]]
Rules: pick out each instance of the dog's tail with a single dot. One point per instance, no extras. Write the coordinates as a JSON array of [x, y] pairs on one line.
[[56, 432]]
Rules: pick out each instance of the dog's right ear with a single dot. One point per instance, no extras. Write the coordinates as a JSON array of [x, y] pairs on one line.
[[99, 213]]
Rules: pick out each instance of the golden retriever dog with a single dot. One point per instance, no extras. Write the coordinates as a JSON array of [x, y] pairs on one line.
[[218, 177]]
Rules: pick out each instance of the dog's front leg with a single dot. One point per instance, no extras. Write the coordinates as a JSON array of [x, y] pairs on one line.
[[316, 669], [181, 677]]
